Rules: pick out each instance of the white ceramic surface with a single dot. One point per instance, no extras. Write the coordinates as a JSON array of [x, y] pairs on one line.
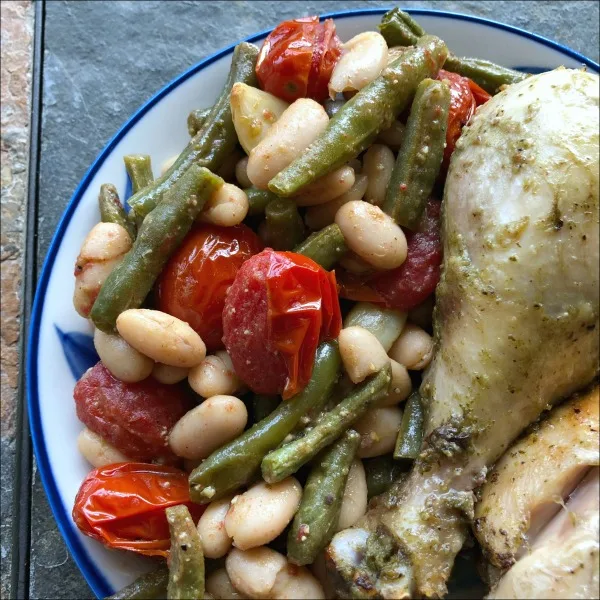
[[57, 353]]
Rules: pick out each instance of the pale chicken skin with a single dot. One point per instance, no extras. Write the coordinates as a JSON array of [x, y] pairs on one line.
[[516, 322], [529, 483]]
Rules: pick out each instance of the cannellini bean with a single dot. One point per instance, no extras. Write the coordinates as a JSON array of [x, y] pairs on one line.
[[378, 164], [97, 451], [253, 572], [294, 582], [228, 206], [372, 234], [362, 353], [327, 188], [363, 58], [259, 515], [211, 529], [354, 502], [102, 250], [241, 173], [208, 426], [122, 360], [413, 349], [214, 376], [322, 215], [400, 386], [162, 337], [299, 125], [379, 429], [355, 264], [168, 164], [168, 374], [393, 136], [219, 585]]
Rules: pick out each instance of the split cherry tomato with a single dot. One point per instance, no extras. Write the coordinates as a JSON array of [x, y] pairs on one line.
[[193, 285], [280, 306], [297, 58], [123, 506]]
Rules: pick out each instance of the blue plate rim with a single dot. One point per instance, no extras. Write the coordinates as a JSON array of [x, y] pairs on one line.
[[94, 578]]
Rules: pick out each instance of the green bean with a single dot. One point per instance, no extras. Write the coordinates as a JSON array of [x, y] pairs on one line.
[[196, 120], [161, 233], [258, 200], [357, 123], [213, 143], [420, 157], [283, 227], [316, 520], [490, 76], [385, 324], [150, 586], [235, 463], [186, 559], [410, 436], [381, 472], [263, 405], [400, 29], [111, 209], [139, 169], [284, 461], [325, 247]]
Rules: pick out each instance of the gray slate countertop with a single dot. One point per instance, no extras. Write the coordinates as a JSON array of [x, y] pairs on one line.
[[104, 59]]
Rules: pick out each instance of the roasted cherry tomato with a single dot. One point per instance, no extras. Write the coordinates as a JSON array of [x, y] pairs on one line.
[[123, 506], [193, 285], [280, 306], [297, 58], [465, 97]]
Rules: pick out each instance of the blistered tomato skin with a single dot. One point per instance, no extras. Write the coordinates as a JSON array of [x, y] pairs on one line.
[[135, 418], [193, 285], [279, 307]]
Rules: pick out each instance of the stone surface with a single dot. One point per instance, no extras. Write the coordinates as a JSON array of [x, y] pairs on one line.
[[104, 59], [15, 82]]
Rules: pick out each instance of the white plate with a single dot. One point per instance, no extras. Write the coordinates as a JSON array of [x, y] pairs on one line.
[[60, 346]]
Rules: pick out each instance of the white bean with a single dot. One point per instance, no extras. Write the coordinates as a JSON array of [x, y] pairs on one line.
[[322, 215], [162, 337], [241, 173], [214, 376], [219, 585], [400, 386], [363, 58], [228, 206], [121, 359], [413, 349], [253, 572], [354, 502], [211, 529], [393, 136], [168, 374], [205, 428], [355, 264], [362, 353], [168, 164], [294, 582], [97, 451], [379, 429], [326, 188], [372, 234], [299, 125], [378, 164], [259, 515]]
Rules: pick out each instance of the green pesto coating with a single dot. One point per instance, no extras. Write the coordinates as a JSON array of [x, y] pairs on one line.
[[139, 169], [356, 124], [161, 234], [186, 559], [410, 436], [215, 141], [196, 120], [283, 227], [263, 405], [236, 463], [400, 29], [111, 209], [258, 200], [381, 472], [325, 247], [150, 586], [420, 158], [316, 520], [285, 461]]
